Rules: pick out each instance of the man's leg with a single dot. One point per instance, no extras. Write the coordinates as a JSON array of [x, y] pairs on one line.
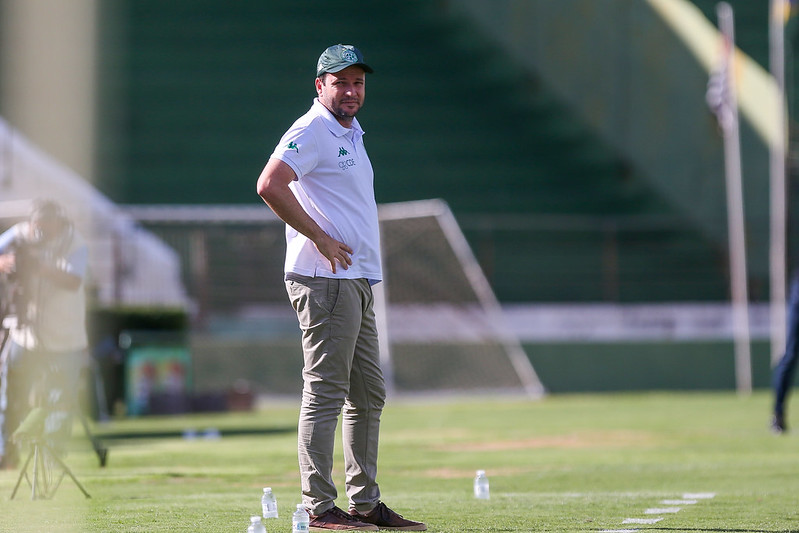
[[326, 313], [362, 411], [15, 391], [783, 373], [361, 430], [5, 434], [59, 394]]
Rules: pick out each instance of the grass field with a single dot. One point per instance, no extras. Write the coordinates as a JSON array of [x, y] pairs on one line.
[[564, 463]]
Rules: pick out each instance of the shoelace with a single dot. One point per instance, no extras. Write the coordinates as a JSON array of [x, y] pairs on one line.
[[341, 514], [385, 513]]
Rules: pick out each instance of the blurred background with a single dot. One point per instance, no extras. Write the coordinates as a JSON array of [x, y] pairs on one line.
[[570, 141]]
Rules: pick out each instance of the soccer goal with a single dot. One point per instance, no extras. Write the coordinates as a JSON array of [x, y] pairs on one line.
[[444, 329]]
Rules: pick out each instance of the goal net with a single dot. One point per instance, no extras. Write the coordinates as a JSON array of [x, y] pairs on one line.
[[444, 327], [441, 327]]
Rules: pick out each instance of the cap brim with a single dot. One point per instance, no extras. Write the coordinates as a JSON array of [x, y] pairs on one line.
[[366, 68]]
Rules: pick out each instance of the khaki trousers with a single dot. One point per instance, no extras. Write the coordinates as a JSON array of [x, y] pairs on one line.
[[341, 371]]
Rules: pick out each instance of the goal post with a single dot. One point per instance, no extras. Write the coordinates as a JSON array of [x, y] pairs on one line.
[[444, 328], [441, 327]]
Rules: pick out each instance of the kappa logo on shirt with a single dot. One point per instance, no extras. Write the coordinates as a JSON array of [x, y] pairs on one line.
[[346, 163]]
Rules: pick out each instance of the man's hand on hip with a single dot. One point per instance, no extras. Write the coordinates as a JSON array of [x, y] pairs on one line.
[[334, 251], [7, 263]]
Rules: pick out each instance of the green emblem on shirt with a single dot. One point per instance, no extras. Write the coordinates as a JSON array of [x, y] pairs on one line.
[[293, 146], [342, 151]]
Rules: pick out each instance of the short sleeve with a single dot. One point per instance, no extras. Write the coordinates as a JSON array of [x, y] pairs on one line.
[[7, 238], [298, 150]]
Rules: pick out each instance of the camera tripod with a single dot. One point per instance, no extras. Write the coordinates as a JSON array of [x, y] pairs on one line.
[[43, 460], [47, 468]]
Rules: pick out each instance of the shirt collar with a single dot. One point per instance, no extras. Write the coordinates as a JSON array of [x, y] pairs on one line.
[[333, 125]]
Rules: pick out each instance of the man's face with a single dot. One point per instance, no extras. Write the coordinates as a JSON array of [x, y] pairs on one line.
[[343, 92], [45, 228]]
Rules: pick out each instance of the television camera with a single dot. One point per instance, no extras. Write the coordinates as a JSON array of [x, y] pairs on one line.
[[19, 286]]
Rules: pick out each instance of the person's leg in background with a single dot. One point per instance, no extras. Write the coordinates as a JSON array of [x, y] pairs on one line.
[[16, 379], [59, 386], [784, 371]]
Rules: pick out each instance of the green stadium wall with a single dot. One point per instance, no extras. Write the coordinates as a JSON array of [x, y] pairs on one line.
[[563, 367], [637, 72]]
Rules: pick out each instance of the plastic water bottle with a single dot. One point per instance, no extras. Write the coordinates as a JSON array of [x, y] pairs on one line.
[[300, 519], [481, 486], [256, 526], [269, 503]]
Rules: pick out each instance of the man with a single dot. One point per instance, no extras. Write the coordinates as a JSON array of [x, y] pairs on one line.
[[45, 346], [784, 371], [319, 181]]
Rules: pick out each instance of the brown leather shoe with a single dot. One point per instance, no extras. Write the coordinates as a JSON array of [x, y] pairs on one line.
[[385, 518], [337, 520]]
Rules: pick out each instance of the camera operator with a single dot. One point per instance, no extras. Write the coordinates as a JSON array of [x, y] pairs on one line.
[[45, 350]]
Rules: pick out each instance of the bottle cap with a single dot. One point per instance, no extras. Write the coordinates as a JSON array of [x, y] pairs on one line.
[[267, 489], [481, 472], [301, 506], [254, 519]]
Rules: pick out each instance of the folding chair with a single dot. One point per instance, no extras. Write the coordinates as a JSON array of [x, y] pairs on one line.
[[47, 470]]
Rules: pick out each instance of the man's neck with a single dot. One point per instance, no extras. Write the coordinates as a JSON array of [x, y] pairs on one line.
[[344, 121]]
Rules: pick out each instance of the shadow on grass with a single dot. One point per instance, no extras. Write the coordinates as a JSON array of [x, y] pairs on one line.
[[184, 433]]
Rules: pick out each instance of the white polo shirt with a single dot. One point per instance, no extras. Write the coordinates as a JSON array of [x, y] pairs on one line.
[[335, 186]]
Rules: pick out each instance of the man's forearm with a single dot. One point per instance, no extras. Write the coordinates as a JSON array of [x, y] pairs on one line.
[[285, 205], [273, 188]]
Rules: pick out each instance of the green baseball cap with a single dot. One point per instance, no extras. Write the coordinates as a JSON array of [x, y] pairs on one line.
[[340, 56]]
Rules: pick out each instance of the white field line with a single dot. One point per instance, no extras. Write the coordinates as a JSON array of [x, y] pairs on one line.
[[699, 495], [663, 510], [689, 498], [642, 520]]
